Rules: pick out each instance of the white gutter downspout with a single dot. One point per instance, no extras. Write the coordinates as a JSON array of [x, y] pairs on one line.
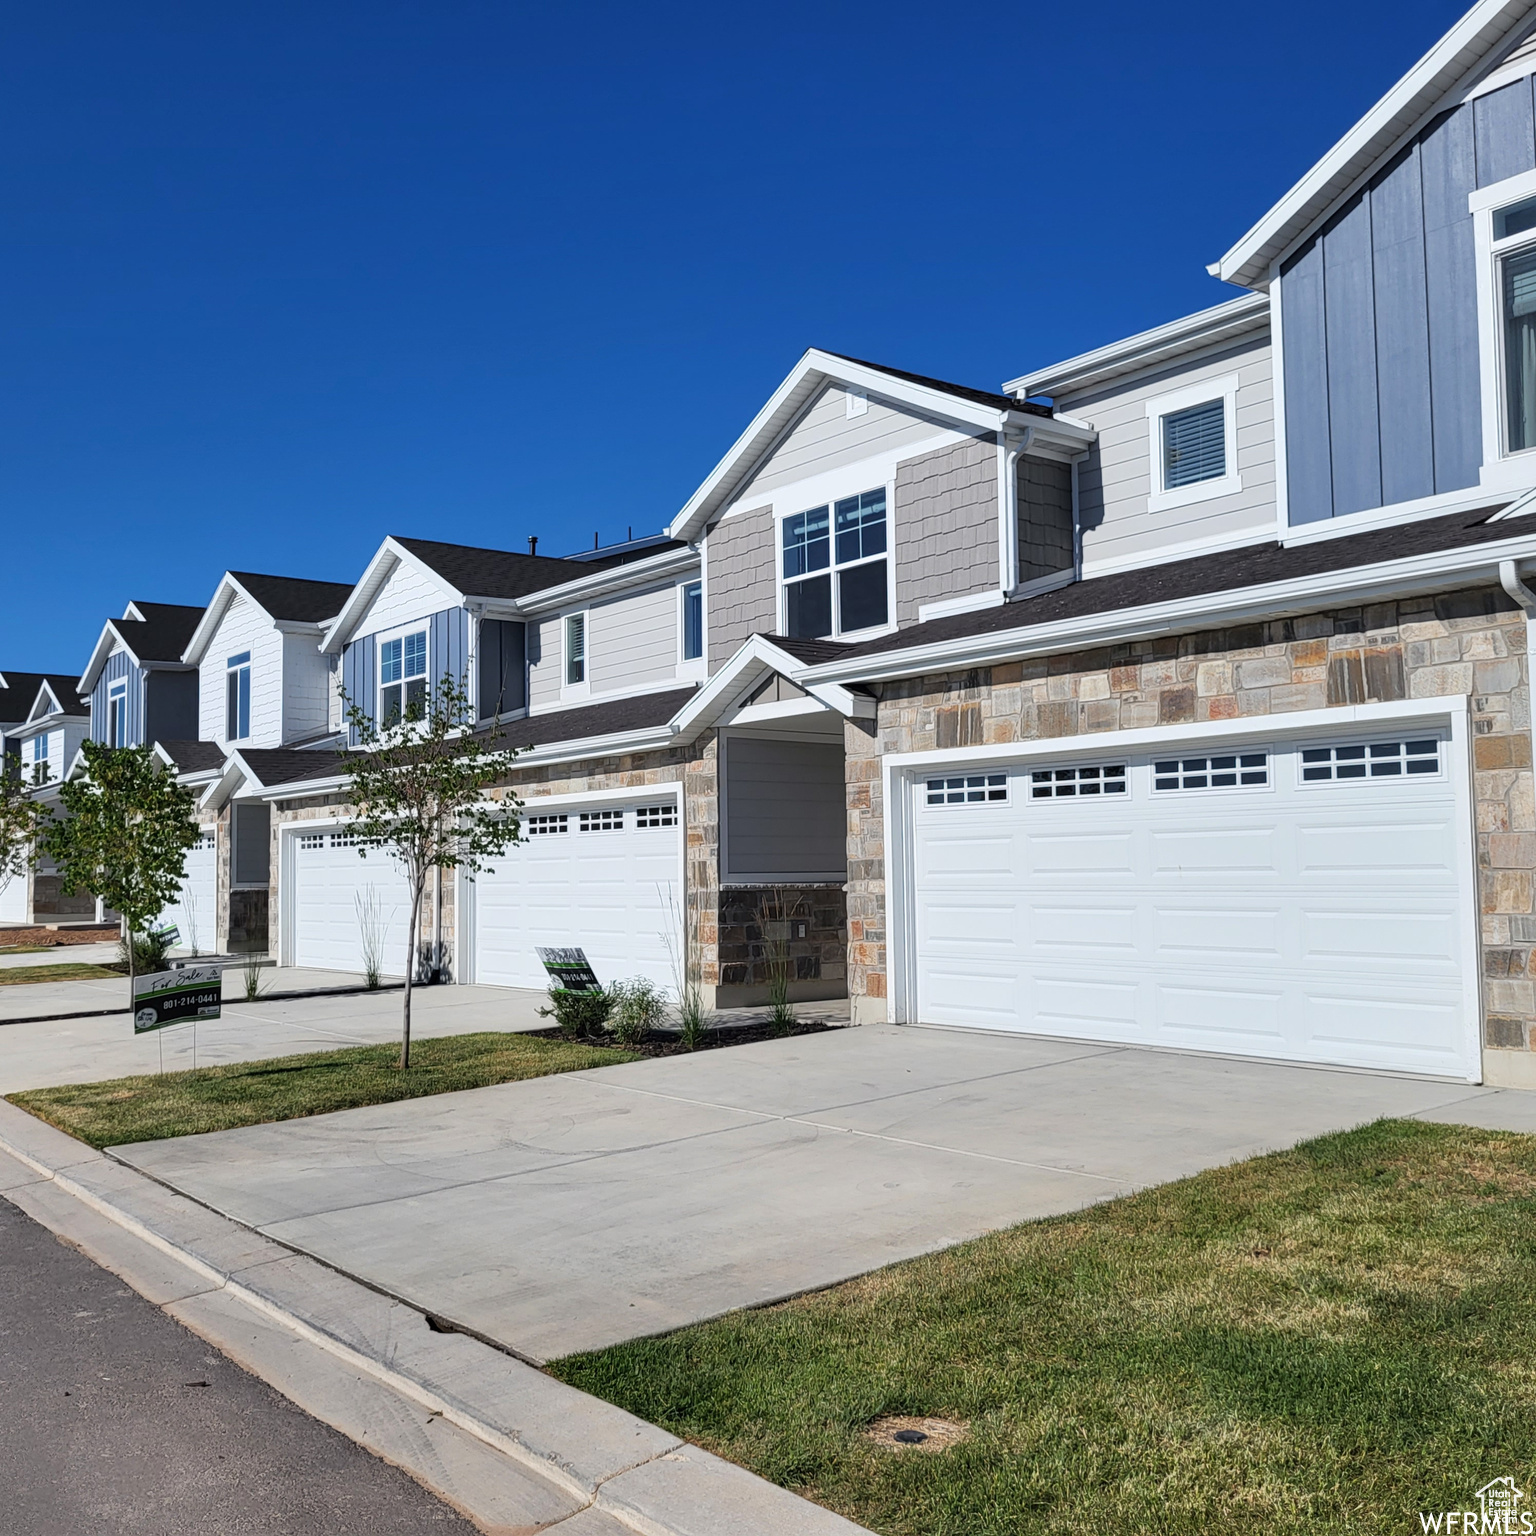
[[1011, 444], [1509, 579]]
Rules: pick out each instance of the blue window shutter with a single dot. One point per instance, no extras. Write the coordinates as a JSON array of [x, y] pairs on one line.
[[1195, 444]]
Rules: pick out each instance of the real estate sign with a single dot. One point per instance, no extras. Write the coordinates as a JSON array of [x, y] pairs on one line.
[[174, 997], [569, 970]]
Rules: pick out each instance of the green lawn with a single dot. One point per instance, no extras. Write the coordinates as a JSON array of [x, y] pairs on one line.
[[251, 1093], [1327, 1339], [24, 975]]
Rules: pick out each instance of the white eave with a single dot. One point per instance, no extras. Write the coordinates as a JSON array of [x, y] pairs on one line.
[[806, 380], [619, 578], [1207, 327], [1400, 112], [1437, 571]]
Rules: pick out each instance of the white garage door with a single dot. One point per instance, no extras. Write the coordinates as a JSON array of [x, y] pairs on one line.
[[1307, 901], [604, 879], [343, 903], [13, 900], [194, 912]]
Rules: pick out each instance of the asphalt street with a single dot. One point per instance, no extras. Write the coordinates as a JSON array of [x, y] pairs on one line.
[[116, 1421]]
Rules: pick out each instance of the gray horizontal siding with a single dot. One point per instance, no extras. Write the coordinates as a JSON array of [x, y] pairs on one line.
[[785, 810], [632, 640], [945, 525], [1382, 400]]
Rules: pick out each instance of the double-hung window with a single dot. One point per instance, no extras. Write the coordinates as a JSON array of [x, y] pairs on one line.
[[835, 571], [237, 697], [403, 678], [1514, 245], [40, 758], [117, 715], [693, 621]]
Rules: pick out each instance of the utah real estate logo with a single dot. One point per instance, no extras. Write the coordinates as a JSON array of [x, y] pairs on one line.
[[1498, 1514]]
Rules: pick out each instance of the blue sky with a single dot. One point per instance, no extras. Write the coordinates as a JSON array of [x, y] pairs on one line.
[[279, 279]]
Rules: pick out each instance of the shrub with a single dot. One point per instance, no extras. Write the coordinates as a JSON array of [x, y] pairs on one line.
[[149, 951], [639, 1006], [579, 1015]]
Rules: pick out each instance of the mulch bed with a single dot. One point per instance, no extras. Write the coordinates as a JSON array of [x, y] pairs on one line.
[[28, 938], [658, 1043]]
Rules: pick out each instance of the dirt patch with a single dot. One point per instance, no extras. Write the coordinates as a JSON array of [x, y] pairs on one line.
[[901, 1432], [31, 938], [658, 1044]]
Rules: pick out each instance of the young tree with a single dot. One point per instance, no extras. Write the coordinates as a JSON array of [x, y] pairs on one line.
[[124, 835], [417, 789], [21, 820]]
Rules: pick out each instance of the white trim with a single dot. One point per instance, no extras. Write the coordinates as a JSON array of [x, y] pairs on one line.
[[1162, 499], [1161, 344], [1472, 499], [901, 772], [1277, 398], [580, 692], [533, 804], [971, 602], [834, 568], [1437, 571], [780, 709], [1400, 113], [691, 668], [575, 701], [1501, 468], [652, 571]]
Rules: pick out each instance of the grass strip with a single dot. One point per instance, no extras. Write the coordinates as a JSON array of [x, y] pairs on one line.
[[1332, 1338], [150, 1108], [25, 975]]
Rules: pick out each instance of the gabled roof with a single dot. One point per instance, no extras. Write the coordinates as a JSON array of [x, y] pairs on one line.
[[975, 410], [1470, 44], [57, 696], [18, 693], [252, 770], [153, 634], [191, 756], [289, 601]]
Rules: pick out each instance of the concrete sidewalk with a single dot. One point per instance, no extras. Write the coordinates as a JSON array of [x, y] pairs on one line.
[[572, 1212], [515, 1450], [89, 1050]]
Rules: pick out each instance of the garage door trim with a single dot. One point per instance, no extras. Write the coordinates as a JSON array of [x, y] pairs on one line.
[[904, 771]]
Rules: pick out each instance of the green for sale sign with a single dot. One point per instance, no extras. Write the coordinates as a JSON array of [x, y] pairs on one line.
[[569, 970], [176, 997]]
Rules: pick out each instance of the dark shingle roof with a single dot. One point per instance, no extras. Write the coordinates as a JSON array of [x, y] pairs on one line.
[[1199, 576], [288, 765], [499, 572], [964, 391], [194, 756], [67, 691], [295, 597], [162, 634], [632, 714], [17, 699]]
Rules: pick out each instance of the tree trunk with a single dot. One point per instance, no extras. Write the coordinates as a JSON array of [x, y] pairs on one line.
[[410, 972]]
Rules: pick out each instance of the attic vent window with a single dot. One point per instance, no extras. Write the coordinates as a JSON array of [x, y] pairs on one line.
[[1194, 445], [856, 402]]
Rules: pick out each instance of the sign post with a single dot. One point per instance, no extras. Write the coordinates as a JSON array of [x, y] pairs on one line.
[[570, 971]]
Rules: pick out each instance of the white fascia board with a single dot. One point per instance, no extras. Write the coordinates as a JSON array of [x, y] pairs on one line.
[[109, 638], [76, 769], [1234, 317], [756, 659], [1399, 112], [213, 616], [650, 738], [1437, 571], [224, 788], [299, 789], [814, 370], [390, 554], [620, 578]]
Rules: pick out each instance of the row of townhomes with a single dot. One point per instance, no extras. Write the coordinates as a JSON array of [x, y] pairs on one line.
[[1175, 694]]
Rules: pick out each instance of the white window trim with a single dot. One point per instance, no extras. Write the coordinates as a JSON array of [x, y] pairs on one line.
[[399, 632], [693, 667], [1223, 389], [582, 690], [780, 517], [1501, 470]]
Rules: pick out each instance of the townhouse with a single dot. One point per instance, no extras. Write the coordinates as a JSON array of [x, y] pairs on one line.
[[1174, 694]]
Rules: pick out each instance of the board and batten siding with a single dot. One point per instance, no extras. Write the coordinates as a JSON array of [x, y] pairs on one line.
[[632, 640], [359, 676], [741, 588], [119, 666], [1379, 312], [944, 525], [826, 437], [1115, 480]]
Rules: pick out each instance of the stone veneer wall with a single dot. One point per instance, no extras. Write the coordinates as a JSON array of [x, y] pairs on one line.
[[1463, 643], [817, 962]]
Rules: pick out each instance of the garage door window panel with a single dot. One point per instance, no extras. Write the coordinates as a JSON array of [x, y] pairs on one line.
[[1222, 770], [1077, 783], [969, 789], [1415, 758]]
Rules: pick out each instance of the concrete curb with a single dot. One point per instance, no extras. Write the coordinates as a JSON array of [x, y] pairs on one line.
[[228, 1002], [605, 1470]]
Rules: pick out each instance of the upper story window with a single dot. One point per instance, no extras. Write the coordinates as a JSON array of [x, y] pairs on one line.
[[575, 649], [40, 758], [835, 575], [117, 715], [1192, 444], [403, 678], [237, 697], [1504, 232], [693, 621], [1517, 295]]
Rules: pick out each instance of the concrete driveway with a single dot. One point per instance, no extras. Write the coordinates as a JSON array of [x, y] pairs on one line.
[[571, 1212]]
